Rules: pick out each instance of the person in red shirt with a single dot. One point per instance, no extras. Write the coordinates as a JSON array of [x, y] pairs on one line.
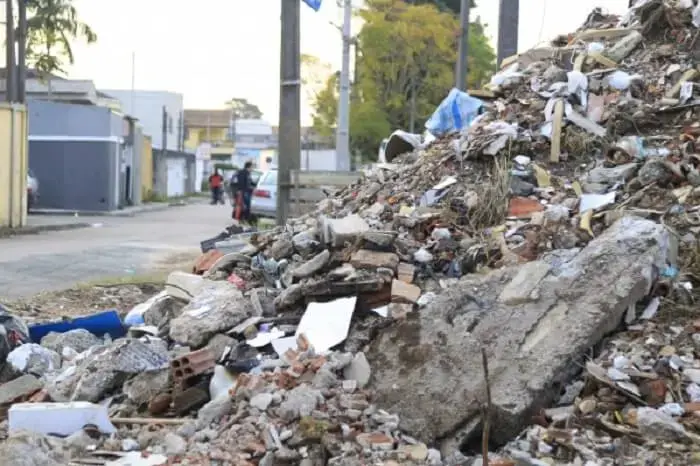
[[215, 185]]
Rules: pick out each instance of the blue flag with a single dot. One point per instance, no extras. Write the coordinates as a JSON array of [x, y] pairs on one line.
[[314, 4]]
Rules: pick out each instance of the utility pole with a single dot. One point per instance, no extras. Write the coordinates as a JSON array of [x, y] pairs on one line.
[[342, 137], [289, 151], [22, 51], [133, 83], [462, 72], [11, 66], [508, 22]]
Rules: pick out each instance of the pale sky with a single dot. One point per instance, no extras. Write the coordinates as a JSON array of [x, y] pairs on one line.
[[212, 50]]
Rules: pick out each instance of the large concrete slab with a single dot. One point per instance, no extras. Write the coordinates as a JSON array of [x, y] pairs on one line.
[[534, 321]]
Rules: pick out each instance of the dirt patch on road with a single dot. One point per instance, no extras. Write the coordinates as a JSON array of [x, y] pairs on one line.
[[82, 300], [121, 293]]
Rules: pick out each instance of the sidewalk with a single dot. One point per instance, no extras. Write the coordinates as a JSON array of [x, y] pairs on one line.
[[125, 212], [41, 223]]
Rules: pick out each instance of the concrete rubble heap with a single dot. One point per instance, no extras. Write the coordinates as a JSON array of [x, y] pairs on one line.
[[547, 239]]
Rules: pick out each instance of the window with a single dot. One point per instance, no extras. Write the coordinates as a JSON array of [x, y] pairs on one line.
[[269, 179]]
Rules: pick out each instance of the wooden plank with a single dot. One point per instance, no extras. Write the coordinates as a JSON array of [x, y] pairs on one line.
[[556, 131], [689, 75], [612, 33], [602, 59], [320, 178], [309, 194]]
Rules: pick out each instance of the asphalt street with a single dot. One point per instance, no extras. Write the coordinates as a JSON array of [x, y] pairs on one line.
[[112, 247]]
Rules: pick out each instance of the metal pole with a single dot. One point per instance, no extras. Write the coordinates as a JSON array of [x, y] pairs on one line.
[[342, 139], [289, 157], [508, 21], [22, 52], [461, 74], [11, 64]]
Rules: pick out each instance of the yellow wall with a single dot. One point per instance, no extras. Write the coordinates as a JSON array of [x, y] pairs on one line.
[[147, 168], [196, 136], [13, 165]]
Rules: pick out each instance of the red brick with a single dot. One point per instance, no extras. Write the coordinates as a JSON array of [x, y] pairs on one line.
[[206, 260]]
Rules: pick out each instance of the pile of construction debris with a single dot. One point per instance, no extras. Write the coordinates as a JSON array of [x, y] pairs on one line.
[[464, 294]]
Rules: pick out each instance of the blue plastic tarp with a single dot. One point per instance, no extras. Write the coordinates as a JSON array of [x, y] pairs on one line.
[[314, 4], [454, 113], [98, 324]]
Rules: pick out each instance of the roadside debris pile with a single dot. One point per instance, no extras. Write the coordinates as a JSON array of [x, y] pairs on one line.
[[361, 333]]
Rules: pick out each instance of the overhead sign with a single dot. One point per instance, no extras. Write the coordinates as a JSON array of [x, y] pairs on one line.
[[314, 4]]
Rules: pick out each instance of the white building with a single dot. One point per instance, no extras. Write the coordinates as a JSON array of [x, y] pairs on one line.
[[253, 138], [147, 107]]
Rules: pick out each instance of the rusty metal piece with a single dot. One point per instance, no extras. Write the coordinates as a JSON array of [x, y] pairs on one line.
[[160, 404], [190, 399]]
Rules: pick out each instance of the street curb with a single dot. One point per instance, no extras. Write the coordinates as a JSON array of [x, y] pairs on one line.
[[147, 208], [36, 229]]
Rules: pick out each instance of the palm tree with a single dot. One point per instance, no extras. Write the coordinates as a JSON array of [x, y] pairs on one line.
[[51, 27]]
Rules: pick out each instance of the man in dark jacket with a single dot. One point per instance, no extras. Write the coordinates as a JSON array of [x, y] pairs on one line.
[[244, 193]]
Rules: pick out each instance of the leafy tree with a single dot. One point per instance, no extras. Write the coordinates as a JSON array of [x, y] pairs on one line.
[[451, 5], [406, 50], [314, 75], [325, 107], [52, 26], [243, 109]]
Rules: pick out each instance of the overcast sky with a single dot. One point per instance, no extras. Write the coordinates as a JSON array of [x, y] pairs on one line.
[[212, 50]]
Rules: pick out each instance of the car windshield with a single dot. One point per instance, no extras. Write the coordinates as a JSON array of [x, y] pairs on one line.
[[270, 178]]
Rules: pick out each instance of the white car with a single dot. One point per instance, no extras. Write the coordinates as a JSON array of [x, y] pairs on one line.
[[264, 200]]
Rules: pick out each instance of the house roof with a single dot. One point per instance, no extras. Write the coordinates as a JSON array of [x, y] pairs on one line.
[[33, 74], [195, 118]]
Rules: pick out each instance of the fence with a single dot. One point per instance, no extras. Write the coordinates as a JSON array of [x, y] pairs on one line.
[[307, 187], [13, 165]]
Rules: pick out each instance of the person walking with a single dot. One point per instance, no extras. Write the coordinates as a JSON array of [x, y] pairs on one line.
[[215, 182], [244, 193]]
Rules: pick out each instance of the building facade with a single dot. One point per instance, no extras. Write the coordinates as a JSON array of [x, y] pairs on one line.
[[86, 158], [159, 113]]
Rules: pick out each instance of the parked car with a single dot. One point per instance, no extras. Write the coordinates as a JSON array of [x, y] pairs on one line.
[[32, 189], [264, 201]]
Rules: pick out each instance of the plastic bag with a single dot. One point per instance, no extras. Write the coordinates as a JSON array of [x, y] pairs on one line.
[[506, 75], [455, 112], [621, 80]]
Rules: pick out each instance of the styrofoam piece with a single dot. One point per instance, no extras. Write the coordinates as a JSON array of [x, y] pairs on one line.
[[59, 418]]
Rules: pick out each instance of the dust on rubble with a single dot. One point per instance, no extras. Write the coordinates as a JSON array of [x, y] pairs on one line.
[[82, 300]]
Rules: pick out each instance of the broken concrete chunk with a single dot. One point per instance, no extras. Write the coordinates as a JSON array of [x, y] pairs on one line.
[[366, 259], [301, 401], [305, 242], [526, 355], [406, 272], [182, 285], [404, 292], [34, 359], [30, 449], [359, 370], [313, 265], [19, 388], [347, 229], [521, 288], [146, 385], [217, 307], [79, 340], [282, 248], [379, 240], [658, 425]]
